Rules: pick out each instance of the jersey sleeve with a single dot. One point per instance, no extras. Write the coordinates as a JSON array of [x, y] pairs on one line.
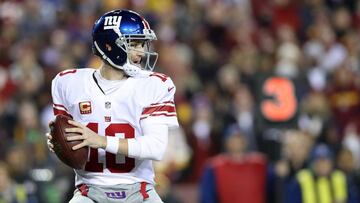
[[58, 97], [161, 108]]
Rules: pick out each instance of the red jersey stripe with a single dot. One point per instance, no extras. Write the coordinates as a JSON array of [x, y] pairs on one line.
[[150, 110], [59, 105], [58, 111], [167, 102], [160, 114]]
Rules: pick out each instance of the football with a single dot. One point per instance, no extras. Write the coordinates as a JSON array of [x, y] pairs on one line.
[[63, 149]]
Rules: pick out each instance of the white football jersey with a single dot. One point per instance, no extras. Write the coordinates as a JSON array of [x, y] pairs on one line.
[[117, 113]]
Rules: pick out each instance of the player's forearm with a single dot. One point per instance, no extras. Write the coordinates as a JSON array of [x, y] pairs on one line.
[[146, 148], [151, 145]]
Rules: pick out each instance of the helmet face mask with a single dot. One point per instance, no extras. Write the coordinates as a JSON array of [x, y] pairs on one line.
[[114, 34], [148, 56]]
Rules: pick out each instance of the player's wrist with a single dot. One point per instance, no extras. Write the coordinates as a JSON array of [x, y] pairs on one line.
[[112, 144]]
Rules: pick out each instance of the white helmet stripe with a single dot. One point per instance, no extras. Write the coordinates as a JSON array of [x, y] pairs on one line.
[[146, 24]]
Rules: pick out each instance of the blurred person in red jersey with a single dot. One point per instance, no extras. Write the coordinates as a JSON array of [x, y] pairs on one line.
[[344, 98], [236, 175]]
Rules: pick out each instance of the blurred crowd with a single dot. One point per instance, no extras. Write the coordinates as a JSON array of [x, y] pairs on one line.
[[270, 89]]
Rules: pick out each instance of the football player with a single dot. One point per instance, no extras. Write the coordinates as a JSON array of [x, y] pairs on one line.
[[122, 111]]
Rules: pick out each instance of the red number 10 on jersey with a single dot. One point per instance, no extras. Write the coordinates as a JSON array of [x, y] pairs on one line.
[[93, 164]]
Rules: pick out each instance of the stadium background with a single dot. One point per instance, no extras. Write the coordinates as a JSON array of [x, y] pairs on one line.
[[225, 56]]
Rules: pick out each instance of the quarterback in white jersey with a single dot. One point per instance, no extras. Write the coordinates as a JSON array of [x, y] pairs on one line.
[[121, 111]]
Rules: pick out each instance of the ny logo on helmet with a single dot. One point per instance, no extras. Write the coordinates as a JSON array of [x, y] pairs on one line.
[[112, 22]]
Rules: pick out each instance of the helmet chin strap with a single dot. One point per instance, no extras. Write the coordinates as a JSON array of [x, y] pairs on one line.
[[131, 69]]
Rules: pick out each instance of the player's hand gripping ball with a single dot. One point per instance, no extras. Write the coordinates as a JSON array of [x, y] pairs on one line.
[[63, 149]]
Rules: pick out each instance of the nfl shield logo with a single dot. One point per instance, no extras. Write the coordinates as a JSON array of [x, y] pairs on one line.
[[107, 105]]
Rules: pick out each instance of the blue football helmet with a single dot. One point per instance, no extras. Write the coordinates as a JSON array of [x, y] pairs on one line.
[[112, 34]]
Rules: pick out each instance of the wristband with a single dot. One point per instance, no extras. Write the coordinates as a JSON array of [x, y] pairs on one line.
[[112, 144]]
